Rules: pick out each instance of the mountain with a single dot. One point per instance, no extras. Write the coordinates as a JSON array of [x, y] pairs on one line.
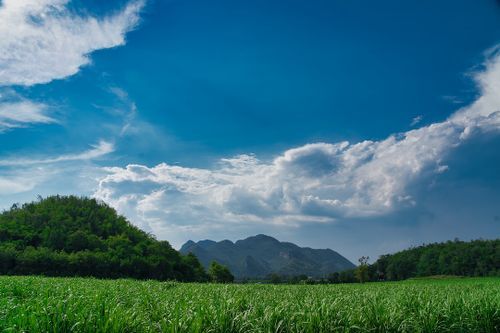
[[73, 236], [261, 255]]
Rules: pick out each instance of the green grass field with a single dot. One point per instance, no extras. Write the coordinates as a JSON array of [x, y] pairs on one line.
[[37, 304]]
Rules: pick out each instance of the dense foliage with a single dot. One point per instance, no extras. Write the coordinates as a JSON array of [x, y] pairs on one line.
[[35, 304], [452, 258], [72, 236], [219, 273], [475, 258], [458, 258]]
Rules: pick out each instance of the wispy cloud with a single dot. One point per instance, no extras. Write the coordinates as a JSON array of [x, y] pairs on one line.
[[17, 112], [17, 183], [320, 182], [50, 174], [98, 150], [452, 99], [41, 40], [23, 114], [415, 121], [128, 110]]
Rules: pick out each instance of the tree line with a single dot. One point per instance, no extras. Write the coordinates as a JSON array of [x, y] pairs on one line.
[[456, 258], [474, 258]]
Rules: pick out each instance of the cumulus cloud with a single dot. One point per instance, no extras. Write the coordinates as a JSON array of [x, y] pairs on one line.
[[41, 40], [318, 182]]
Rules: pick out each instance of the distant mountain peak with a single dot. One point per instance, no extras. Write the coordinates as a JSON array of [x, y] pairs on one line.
[[259, 238], [262, 236], [260, 255]]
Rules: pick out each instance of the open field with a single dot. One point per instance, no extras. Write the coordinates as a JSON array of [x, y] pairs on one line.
[[37, 304]]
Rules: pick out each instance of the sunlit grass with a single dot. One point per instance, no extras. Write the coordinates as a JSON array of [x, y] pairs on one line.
[[36, 304]]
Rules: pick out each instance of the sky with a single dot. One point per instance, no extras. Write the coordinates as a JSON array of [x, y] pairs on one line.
[[364, 127]]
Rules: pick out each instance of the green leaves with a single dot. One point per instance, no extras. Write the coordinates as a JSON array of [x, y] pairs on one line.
[[219, 273], [73, 236]]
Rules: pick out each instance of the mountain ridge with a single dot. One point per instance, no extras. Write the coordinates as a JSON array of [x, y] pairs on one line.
[[260, 255]]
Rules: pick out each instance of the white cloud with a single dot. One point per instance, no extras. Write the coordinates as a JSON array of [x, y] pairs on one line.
[[318, 182], [128, 110], [98, 150], [41, 40], [416, 120], [22, 114], [16, 184], [23, 178]]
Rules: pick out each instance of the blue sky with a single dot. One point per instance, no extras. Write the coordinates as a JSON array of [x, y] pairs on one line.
[[366, 127]]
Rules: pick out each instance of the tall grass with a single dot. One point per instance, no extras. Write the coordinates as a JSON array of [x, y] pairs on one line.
[[37, 304]]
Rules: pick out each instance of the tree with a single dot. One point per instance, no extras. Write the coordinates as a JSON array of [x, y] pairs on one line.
[[196, 272], [334, 277], [274, 278], [219, 273], [362, 270], [347, 276]]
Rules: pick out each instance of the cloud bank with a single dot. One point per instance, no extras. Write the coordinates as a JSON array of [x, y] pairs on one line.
[[319, 182], [41, 40]]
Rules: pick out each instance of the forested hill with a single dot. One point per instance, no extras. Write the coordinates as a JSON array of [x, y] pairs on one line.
[[72, 236], [475, 258]]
